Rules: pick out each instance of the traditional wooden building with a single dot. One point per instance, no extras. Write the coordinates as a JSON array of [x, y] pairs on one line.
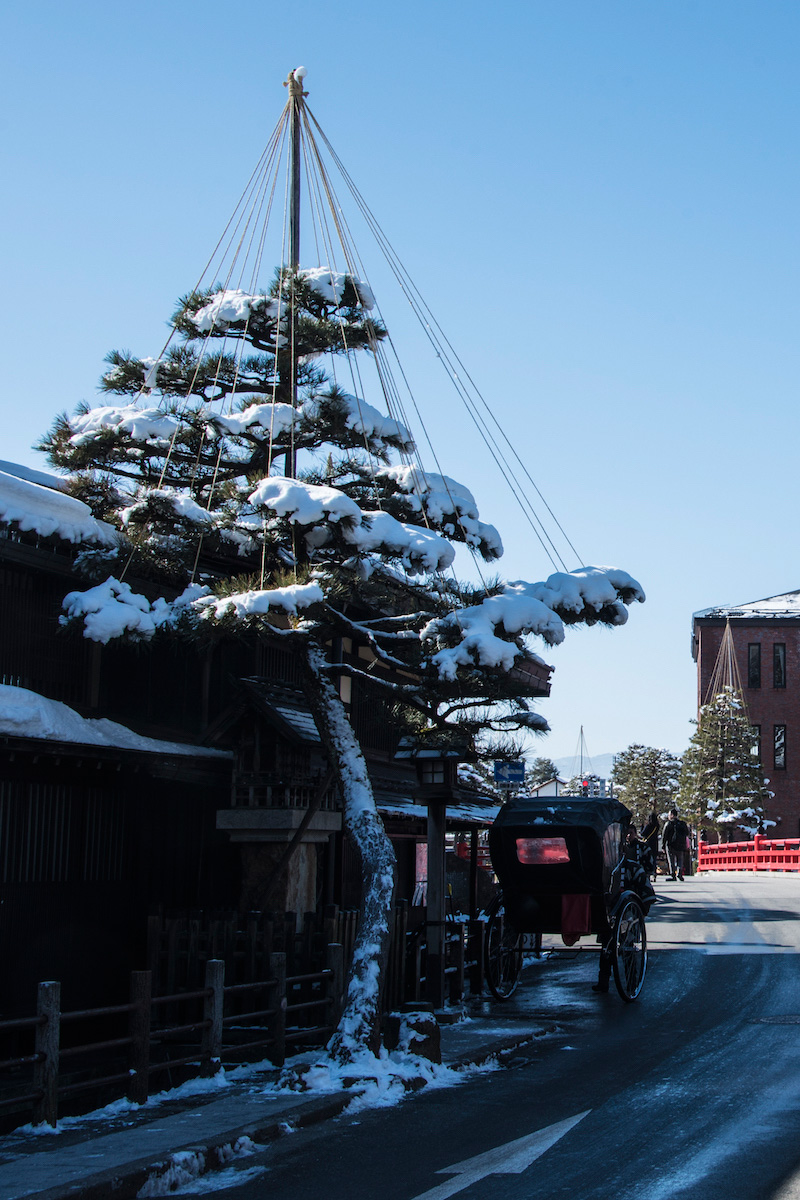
[[210, 790], [766, 640]]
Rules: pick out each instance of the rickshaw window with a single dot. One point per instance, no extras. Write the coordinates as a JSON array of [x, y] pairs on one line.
[[542, 851]]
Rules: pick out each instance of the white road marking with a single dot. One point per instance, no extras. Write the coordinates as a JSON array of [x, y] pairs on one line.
[[510, 1159]]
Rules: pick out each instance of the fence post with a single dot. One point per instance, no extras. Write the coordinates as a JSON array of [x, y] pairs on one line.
[[212, 1012], [48, 1038], [139, 1032], [335, 963], [277, 970]]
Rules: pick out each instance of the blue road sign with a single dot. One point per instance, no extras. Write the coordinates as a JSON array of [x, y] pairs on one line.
[[509, 772]]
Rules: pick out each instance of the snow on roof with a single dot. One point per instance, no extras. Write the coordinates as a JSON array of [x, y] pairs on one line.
[[483, 814], [787, 604], [27, 714], [43, 478], [48, 512]]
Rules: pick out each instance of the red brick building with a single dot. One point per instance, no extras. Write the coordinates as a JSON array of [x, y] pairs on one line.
[[766, 640]]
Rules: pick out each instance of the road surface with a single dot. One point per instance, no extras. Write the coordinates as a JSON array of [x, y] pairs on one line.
[[693, 1091]]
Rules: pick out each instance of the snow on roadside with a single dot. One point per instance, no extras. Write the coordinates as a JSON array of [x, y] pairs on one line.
[[193, 1171]]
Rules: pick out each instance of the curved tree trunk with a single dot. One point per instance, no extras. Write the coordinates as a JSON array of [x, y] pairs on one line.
[[359, 1025]]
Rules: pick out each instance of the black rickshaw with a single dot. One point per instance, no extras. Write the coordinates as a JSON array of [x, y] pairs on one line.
[[567, 865]]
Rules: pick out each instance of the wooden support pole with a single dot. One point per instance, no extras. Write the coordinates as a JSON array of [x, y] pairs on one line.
[[212, 1012], [48, 1040], [334, 956], [277, 969], [434, 971], [139, 1031]]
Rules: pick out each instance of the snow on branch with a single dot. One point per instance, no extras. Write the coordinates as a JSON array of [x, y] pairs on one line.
[[583, 594], [142, 424], [112, 609], [417, 548], [304, 503], [50, 513], [289, 600], [362, 418], [479, 635], [446, 503], [311, 504], [231, 308], [180, 504], [330, 285], [277, 418]]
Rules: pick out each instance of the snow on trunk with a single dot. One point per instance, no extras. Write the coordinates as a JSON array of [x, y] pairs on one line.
[[358, 1029]]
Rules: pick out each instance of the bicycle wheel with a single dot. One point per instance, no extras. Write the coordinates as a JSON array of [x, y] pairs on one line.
[[629, 950], [503, 955]]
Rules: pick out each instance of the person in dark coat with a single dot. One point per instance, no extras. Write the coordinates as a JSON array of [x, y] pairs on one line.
[[675, 840], [649, 836]]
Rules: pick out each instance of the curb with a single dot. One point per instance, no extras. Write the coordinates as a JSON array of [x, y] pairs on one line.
[[125, 1182]]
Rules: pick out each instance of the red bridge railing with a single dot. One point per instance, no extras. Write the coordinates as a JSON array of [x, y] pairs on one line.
[[762, 854]]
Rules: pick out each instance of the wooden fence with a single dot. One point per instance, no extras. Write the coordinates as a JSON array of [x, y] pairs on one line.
[[217, 989], [246, 1020]]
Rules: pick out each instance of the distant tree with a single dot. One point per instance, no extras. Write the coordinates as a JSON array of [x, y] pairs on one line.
[[646, 778], [722, 783], [587, 784], [540, 770]]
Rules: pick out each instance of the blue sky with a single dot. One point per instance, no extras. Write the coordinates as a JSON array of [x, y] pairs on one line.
[[598, 200]]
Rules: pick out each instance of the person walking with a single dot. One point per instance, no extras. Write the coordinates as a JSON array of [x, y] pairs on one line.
[[649, 836], [675, 840]]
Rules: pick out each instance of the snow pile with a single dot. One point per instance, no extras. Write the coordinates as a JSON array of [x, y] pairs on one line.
[[112, 609], [330, 285], [50, 513], [142, 424], [27, 714], [447, 502]]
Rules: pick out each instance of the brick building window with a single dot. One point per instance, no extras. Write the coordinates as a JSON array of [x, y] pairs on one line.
[[754, 665], [755, 749], [779, 665], [780, 747]]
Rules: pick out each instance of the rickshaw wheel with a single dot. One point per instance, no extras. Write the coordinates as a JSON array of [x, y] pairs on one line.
[[503, 954], [629, 950]]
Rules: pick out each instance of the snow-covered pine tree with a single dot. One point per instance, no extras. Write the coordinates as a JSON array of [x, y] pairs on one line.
[[722, 784], [353, 544], [646, 778]]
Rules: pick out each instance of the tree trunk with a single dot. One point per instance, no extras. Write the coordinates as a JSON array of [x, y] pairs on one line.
[[358, 1028]]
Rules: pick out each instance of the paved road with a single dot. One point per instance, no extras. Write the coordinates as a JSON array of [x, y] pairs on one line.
[[694, 1091]]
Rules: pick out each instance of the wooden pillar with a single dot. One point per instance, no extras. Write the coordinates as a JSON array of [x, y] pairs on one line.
[[473, 874], [434, 971]]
